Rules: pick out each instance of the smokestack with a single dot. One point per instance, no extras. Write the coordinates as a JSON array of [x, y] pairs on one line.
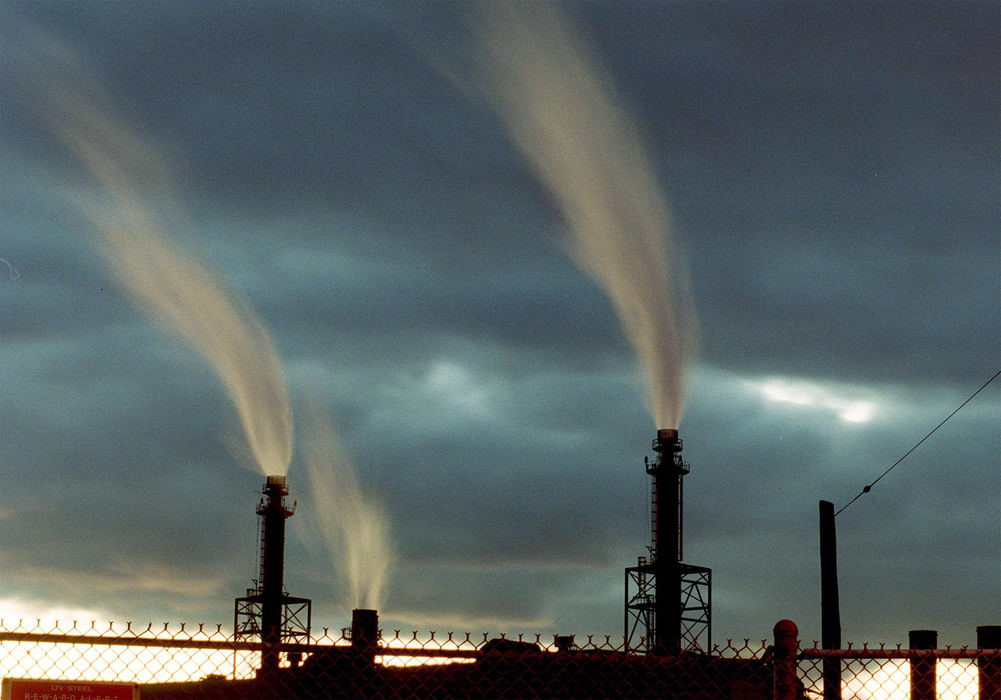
[[365, 633], [267, 612], [667, 470], [668, 603], [273, 512]]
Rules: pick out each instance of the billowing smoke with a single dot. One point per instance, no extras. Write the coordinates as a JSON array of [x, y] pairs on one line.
[[217, 323], [176, 290], [561, 112], [167, 284], [355, 529]]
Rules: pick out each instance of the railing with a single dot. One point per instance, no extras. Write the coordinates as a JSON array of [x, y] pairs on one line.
[[205, 661], [920, 672]]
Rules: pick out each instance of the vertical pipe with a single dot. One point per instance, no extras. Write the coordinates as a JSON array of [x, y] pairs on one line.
[[830, 606], [923, 678], [989, 668], [785, 680]]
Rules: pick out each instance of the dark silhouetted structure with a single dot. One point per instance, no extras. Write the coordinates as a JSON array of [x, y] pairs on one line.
[[267, 611], [830, 605], [668, 604], [365, 632], [989, 675], [923, 670]]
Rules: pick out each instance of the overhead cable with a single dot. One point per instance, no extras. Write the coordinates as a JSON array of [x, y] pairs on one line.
[[867, 488]]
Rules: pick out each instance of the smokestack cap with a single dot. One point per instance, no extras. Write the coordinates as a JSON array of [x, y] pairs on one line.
[[667, 441], [276, 484]]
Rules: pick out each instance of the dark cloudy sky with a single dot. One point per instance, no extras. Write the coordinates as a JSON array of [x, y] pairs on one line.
[[833, 169]]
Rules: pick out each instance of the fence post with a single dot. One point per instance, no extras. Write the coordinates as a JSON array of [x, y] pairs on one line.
[[989, 669], [923, 678], [784, 660]]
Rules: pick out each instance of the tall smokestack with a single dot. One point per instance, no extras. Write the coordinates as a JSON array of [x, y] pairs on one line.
[[667, 470], [668, 602], [273, 512]]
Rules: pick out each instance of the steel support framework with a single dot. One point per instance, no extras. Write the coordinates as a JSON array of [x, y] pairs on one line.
[[695, 605], [296, 618]]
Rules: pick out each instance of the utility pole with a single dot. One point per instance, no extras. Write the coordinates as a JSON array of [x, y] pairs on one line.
[[830, 606]]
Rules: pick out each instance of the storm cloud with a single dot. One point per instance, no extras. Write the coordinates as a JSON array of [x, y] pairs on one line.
[[832, 170]]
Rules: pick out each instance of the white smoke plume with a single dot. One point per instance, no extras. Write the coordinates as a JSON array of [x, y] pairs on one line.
[[179, 292], [354, 527], [166, 283], [560, 110]]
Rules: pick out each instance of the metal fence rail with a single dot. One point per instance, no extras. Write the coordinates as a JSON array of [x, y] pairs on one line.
[[887, 673], [206, 661], [916, 673]]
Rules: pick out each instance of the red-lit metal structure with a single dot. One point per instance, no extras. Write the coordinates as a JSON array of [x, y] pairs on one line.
[[668, 604]]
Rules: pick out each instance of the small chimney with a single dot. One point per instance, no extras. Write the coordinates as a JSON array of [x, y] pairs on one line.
[[365, 633]]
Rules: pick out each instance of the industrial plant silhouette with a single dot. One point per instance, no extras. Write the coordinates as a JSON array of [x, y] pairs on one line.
[[667, 631], [667, 648]]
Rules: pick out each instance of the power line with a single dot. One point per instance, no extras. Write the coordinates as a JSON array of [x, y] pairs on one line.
[[868, 487]]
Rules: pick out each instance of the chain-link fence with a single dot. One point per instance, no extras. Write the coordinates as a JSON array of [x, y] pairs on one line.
[[889, 673], [919, 672], [208, 662]]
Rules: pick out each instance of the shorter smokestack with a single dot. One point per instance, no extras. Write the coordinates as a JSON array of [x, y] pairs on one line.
[[365, 632]]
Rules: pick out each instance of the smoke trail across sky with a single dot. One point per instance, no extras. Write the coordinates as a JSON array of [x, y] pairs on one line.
[[560, 110], [176, 290], [166, 283]]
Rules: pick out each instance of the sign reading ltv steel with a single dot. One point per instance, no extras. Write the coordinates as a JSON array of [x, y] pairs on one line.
[[34, 689]]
